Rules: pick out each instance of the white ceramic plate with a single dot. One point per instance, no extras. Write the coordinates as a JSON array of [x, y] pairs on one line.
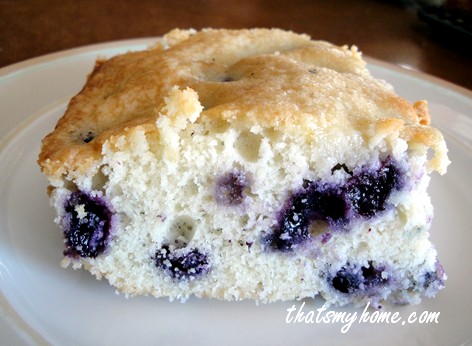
[[40, 303]]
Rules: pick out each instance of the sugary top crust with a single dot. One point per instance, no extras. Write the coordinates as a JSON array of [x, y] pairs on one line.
[[264, 78]]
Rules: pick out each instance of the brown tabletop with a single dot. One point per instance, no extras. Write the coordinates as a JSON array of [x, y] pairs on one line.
[[386, 30]]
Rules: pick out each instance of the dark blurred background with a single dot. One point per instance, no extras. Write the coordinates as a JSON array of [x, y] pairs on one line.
[[429, 36]]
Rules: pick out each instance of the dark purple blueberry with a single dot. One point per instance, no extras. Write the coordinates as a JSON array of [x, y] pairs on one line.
[[347, 281], [330, 205], [351, 278], [373, 276], [434, 278], [316, 202], [181, 264], [230, 188], [369, 191], [87, 225], [293, 225]]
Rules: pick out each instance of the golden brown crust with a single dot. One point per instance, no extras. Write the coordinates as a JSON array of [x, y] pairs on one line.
[[269, 78], [421, 108]]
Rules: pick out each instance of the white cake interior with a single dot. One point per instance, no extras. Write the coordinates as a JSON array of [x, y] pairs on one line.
[[162, 187]]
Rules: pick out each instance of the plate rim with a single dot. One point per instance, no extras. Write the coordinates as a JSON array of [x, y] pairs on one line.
[[37, 61]]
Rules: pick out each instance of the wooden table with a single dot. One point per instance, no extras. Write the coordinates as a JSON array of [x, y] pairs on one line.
[[386, 30]]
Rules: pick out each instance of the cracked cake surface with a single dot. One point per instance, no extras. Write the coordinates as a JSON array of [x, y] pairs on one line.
[[246, 164]]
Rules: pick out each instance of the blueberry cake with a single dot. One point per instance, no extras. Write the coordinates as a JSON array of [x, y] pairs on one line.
[[246, 164]]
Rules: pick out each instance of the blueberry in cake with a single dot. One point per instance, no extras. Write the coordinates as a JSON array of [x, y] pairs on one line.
[[246, 164]]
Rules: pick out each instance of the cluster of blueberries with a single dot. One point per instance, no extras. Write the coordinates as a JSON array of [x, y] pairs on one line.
[[364, 194]]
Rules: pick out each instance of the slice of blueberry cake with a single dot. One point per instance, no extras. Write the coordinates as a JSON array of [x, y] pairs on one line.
[[246, 164]]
